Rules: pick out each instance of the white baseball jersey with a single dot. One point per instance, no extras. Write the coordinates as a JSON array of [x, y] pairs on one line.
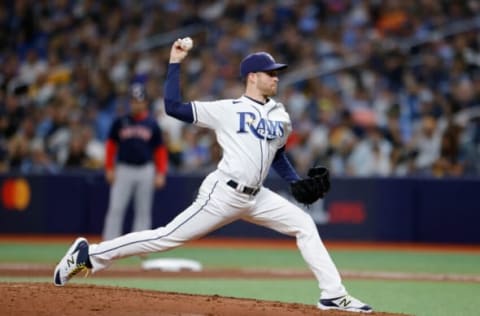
[[249, 133]]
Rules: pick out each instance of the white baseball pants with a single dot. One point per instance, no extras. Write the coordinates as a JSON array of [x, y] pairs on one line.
[[216, 205]]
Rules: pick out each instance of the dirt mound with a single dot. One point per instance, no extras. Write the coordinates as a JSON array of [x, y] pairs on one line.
[[21, 299]]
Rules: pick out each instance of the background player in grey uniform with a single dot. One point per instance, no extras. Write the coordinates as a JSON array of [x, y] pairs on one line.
[[252, 131], [135, 142]]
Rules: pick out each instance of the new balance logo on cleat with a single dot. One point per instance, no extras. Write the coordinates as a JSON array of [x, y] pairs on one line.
[[74, 261], [345, 303]]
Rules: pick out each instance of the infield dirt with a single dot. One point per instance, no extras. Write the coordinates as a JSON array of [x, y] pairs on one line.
[[21, 299]]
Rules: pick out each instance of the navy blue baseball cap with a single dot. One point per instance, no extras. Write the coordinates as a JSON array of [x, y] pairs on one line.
[[260, 61], [138, 92]]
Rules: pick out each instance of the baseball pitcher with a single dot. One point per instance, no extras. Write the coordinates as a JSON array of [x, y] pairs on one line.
[[252, 131]]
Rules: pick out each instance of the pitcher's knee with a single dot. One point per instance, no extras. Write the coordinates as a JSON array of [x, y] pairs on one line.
[[307, 222], [307, 227]]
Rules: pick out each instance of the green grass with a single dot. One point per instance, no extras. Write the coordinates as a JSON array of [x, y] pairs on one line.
[[458, 263], [421, 298]]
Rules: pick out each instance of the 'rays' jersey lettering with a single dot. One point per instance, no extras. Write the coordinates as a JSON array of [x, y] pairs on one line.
[[249, 133], [261, 128]]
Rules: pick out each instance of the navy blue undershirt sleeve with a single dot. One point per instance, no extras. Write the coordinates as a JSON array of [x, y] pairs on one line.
[[173, 99], [283, 167]]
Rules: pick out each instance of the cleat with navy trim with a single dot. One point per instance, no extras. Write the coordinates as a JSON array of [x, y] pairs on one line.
[[75, 260], [344, 303]]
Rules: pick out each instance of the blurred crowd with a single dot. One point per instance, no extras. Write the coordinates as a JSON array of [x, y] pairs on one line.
[[408, 104]]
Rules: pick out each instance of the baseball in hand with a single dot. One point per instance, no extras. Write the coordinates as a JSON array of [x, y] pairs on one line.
[[187, 43]]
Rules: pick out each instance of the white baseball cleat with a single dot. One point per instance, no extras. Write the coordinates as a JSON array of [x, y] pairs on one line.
[[344, 303], [74, 261]]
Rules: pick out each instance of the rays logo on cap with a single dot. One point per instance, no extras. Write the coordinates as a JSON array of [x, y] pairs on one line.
[[261, 61]]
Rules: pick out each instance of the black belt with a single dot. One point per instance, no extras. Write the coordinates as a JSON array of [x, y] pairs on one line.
[[135, 163], [246, 190]]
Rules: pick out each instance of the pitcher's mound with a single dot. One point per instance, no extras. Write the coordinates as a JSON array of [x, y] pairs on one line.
[[21, 299]]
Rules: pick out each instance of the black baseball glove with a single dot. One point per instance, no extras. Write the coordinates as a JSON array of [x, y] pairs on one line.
[[312, 188]]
